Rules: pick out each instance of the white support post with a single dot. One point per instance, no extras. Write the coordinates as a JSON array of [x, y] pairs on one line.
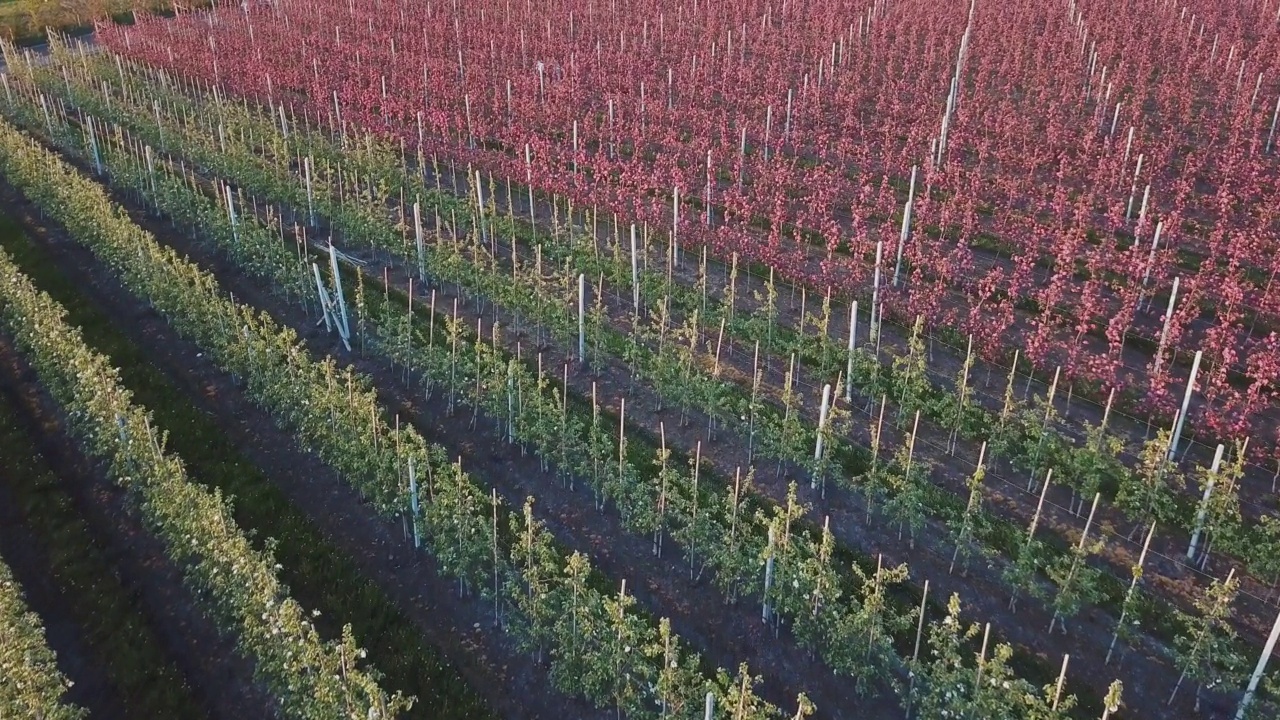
[[875, 294], [853, 336], [768, 129], [1133, 583], [417, 234], [635, 273], [231, 214], [344, 329], [48, 121], [1164, 334], [323, 294], [675, 225], [1186, 401], [1271, 136], [1062, 679], [284, 129], [822, 422], [708, 198], [906, 225], [1133, 187], [786, 128], [528, 181], [768, 577], [480, 206], [708, 712], [311, 209], [1259, 669], [1204, 502], [582, 318], [93, 144], [1151, 259], [151, 171]]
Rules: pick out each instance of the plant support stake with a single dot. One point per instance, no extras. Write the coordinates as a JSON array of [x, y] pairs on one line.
[[853, 336], [822, 421], [1186, 401], [635, 273], [582, 318], [906, 225], [875, 294]]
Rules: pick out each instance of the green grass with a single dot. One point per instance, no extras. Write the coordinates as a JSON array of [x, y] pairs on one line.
[[318, 574]]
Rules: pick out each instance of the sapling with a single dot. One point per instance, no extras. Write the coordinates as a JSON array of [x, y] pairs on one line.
[[804, 318], [1263, 552], [910, 371], [534, 558], [712, 400], [914, 664], [1207, 651], [972, 513], [731, 290], [766, 613], [596, 327], [757, 377], [943, 683], [962, 399], [666, 476], [1130, 596], [688, 360], [1080, 581], [874, 622], [872, 484], [853, 338], [904, 499], [818, 456], [679, 684], [1146, 495], [1022, 572], [815, 582], [734, 556], [1111, 703], [771, 316], [598, 448], [1049, 413]]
